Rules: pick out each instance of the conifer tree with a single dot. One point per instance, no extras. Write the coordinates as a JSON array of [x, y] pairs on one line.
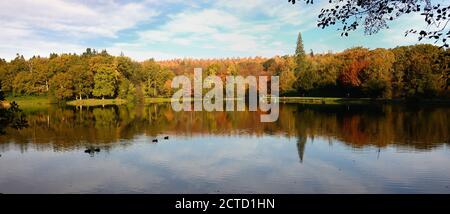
[[300, 55]]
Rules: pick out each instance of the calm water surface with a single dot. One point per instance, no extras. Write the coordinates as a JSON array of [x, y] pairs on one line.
[[310, 149]]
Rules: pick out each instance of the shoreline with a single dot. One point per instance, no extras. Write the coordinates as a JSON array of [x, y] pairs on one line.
[[30, 101], [96, 102], [344, 100]]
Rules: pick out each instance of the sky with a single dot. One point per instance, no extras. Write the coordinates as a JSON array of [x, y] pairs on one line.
[[179, 28]]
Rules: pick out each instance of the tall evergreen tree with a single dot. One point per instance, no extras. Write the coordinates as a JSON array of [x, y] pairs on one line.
[[300, 55]]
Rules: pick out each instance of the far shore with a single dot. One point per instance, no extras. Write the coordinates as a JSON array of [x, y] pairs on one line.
[[32, 101]]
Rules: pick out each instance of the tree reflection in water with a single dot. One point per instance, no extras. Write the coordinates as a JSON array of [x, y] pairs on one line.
[[358, 126]]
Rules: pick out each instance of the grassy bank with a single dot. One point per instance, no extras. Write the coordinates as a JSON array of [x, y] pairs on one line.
[[325, 100], [310, 100], [150, 100], [29, 101], [43, 101], [96, 102]]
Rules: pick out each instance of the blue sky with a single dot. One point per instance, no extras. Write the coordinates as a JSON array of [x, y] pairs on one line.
[[178, 28]]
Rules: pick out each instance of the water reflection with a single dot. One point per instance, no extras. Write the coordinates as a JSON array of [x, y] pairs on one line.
[[418, 128], [310, 149]]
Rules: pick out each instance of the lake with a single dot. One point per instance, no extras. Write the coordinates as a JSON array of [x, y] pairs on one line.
[[310, 149]]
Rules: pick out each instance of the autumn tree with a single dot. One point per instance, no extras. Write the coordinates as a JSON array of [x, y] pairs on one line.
[[419, 71], [155, 79], [61, 63], [307, 81], [424, 75], [354, 62], [212, 70], [399, 69], [377, 75], [61, 86], [97, 61], [232, 70], [33, 81], [24, 84], [284, 67], [16, 66], [150, 71], [39, 69], [83, 79], [3, 68], [328, 67]]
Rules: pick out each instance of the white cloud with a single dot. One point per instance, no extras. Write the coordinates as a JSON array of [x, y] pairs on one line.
[[283, 13], [395, 35], [138, 52], [74, 18], [216, 28], [47, 26], [205, 21], [228, 28], [222, 28], [18, 38]]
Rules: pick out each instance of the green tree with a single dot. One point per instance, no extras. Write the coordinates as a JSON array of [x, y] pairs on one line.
[[127, 90], [287, 80], [155, 79], [328, 67], [125, 66], [300, 55], [105, 81], [307, 81], [376, 88]]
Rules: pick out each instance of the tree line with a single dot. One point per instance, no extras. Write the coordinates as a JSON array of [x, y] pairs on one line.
[[417, 71], [89, 75]]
